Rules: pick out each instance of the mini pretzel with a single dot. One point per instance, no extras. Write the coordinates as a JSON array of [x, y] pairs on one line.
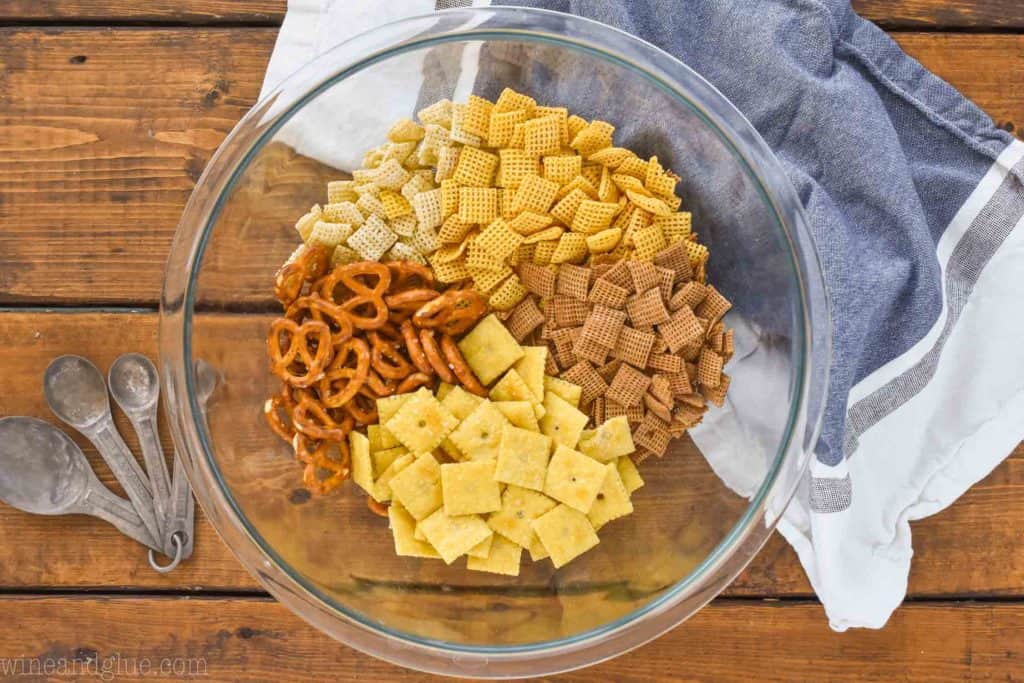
[[317, 460], [433, 354], [335, 396], [272, 409], [310, 265], [323, 311], [380, 509], [379, 386], [410, 300], [415, 349], [311, 419], [460, 367], [414, 381], [453, 312], [300, 337], [408, 274], [360, 295], [363, 408], [387, 359]]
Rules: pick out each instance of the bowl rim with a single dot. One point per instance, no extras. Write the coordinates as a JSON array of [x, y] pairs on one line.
[[731, 554]]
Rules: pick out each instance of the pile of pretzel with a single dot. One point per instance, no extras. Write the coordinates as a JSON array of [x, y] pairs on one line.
[[360, 332]]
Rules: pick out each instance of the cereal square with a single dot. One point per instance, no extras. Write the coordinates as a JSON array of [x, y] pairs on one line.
[[534, 194], [573, 478], [490, 349], [542, 135], [477, 204], [421, 423], [519, 507], [585, 376], [454, 536], [612, 499], [573, 281], [372, 239], [565, 533], [469, 488], [479, 435], [418, 486], [403, 528], [475, 167], [522, 458], [503, 559], [603, 326], [647, 308], [634, 346], [628, 386]]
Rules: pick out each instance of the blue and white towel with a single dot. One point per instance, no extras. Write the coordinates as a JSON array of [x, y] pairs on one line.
[[917, 203]]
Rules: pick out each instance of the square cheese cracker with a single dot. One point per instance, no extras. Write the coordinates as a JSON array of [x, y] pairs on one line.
[[574, 479], [565, 533]]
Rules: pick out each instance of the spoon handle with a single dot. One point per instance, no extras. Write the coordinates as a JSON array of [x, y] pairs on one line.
[[100, 502], [182, 510], [127, 470], [156, 467]]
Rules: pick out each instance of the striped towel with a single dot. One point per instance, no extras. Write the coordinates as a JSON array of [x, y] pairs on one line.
[[917, 203]]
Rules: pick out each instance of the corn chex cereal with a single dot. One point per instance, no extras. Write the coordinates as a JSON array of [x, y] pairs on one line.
[[522, 458], [452, 537], [565, 534], [470, 488], [421, 423]]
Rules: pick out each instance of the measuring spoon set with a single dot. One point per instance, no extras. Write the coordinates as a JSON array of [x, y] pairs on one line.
[[44, 472]]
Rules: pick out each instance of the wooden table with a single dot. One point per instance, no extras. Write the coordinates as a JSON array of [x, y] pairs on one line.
[[109, 110]]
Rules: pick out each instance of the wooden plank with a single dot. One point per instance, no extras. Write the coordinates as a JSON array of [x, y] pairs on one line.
[[974, 548], [974, 14], [943, 14], [250, 639], [152, 11], [104, 153]]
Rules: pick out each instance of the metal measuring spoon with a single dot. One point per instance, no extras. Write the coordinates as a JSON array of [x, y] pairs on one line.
[[44, 472], [135, 386], [181, 528], [77, 394]]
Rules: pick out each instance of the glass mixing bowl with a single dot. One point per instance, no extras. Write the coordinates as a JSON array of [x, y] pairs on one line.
[[331, 560]]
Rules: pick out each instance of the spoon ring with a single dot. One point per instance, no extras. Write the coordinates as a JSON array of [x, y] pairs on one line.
[[179, 546]]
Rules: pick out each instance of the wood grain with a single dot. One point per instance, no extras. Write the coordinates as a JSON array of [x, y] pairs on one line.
[[251, 639], [104, 153], [974, 548], [948, 14], [152, 11]]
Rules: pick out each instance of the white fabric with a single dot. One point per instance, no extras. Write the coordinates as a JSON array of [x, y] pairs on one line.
[[960, 426]]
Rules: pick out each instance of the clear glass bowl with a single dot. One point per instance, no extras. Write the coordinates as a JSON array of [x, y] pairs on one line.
[[332, 561]]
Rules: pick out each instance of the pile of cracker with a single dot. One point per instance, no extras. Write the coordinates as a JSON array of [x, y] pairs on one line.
[[643, 339], [487, 478]]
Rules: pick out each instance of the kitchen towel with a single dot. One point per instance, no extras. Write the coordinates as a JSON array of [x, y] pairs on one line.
[[916, 201]]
